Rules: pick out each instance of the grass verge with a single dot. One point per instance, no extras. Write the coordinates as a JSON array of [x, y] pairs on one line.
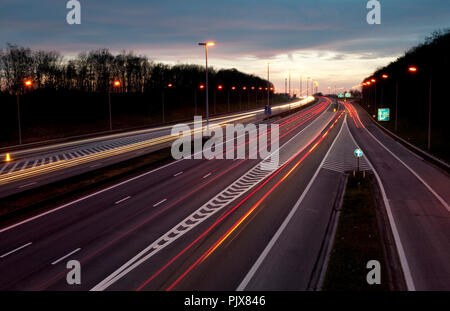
[[357, 241]]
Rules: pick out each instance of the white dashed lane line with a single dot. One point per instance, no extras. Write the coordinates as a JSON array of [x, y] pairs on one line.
[[123, 200], [15, 250], [206, 176], [178, 174], [159, 203], [65, 256], [26, 185]]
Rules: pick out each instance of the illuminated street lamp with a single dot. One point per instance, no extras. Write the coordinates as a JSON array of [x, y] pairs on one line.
[[116, 84], [412, 69], [27, 84], [206, 44]]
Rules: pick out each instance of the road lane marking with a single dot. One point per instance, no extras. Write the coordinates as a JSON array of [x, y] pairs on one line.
[[436, 195], [3, 168], [159, 203], [25, 165], [95, 165], [123, 200], [206, 176], [15, 250], [118, 185], [26, 185], [398, 243], [12, 168], [65, 256], [178, 174], [175, 232], [249, 276]]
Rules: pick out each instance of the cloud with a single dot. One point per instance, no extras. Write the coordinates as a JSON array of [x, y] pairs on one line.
[[326, 38]]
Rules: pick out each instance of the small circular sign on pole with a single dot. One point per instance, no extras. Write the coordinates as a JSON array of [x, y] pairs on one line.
[[358, 154]]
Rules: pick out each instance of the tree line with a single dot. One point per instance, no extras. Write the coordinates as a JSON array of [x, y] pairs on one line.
[[408, 85], [96, 70]]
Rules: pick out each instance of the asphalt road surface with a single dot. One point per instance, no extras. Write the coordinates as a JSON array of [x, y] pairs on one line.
[[229, 224]]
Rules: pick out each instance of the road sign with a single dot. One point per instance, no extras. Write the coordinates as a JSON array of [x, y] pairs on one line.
[[358, 153], [383, 114], [348, 95]]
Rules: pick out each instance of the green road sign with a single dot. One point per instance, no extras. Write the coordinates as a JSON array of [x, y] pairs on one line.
[[383, 114]]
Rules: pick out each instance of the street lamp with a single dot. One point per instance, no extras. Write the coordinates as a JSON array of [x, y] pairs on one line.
[[28, 84], [413, 70], [268, 84], [116, 84], [206, 44]]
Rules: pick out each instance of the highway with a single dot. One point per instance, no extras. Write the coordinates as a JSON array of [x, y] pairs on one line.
[[417, 194], [37, 166], [229, 225], [107, 229]]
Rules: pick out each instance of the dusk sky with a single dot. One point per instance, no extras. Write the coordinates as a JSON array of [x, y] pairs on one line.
[[327, 40]]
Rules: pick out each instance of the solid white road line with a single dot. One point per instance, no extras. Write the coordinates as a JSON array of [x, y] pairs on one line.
[[178, 174], [286, 221], [123, 200], [159, 203], [15, 250], [437, 196], [65, 256], [398, 243]]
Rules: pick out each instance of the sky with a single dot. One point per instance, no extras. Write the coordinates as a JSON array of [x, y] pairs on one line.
[[327, 40]]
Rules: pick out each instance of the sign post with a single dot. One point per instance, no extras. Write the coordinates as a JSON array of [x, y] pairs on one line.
[[358, 154]]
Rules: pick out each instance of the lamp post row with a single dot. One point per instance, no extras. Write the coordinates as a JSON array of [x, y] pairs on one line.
[[412, 70]]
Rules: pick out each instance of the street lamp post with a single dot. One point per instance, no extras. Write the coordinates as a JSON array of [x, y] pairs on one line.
[[206, 44], [413, 69], [268, 85], [115, 84], [300, 89], [27, 84], [289, 84]]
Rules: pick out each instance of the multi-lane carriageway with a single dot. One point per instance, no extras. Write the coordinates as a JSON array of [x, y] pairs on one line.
[[227, 225], [36, 166]]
